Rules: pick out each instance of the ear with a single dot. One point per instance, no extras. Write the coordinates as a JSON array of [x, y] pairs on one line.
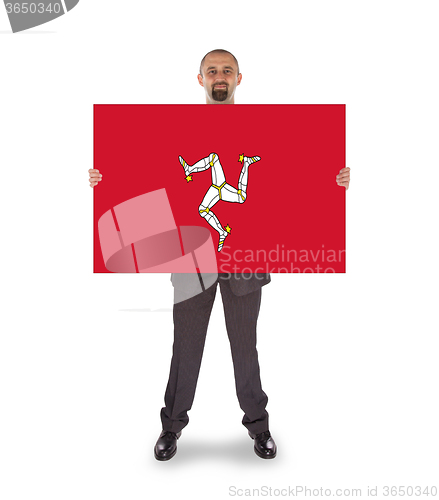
[[200, 80], [239, 79]]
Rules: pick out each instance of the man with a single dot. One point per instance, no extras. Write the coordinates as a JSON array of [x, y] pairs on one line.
[[241, 295]]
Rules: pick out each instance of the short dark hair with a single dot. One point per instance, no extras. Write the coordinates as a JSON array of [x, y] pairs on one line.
[[217, 51]]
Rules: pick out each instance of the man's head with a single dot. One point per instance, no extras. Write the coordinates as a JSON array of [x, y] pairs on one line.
[[219, 75]]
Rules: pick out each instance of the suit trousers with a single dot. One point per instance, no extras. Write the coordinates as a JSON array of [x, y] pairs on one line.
[[191, 319]]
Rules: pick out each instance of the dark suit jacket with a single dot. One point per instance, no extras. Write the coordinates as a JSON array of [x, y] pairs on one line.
[[244, 283], [240, 283]]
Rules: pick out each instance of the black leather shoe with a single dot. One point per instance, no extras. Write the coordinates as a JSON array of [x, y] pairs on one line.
[[265, 447], [166, 446]]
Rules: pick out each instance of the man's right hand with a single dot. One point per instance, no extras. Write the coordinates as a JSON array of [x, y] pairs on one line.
[[95, 177]]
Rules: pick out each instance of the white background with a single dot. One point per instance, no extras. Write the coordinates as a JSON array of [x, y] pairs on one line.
[[349, 362]]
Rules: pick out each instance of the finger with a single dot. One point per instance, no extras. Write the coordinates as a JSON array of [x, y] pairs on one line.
[[344, 176], [346, 169], [93, 184], [94, 170], [345, 184], [96, 177]]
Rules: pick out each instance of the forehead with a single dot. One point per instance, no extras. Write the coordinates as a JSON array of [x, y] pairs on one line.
[[219, 60]]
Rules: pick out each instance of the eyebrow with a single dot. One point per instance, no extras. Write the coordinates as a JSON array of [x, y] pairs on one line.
[[214, 67]]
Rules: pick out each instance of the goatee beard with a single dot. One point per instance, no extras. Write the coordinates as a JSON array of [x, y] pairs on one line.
[[219, 95]]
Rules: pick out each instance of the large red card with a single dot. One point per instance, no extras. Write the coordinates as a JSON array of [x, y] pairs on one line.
[[238, 188]]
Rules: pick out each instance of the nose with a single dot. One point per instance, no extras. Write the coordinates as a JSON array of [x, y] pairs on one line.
[[220, 79], [221, 76]]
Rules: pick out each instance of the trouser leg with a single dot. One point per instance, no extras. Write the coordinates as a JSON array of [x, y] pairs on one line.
[[191, 319], [241, 313]]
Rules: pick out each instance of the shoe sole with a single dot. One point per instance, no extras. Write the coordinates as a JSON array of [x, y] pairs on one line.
[[163, 459]]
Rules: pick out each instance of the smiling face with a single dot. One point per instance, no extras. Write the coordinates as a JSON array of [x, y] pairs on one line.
[[219, 77]]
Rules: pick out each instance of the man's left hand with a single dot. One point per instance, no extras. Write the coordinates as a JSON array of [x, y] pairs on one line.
[[344, 177]]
